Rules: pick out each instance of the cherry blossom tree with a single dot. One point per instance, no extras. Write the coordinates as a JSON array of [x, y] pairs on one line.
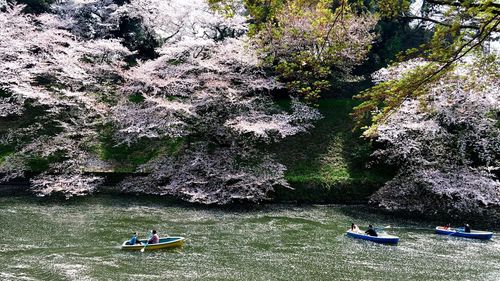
[[446, 144], [207, 88], [204, 89], [58, 79]]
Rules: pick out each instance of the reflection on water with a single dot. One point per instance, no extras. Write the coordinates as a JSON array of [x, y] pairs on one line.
[[79, 240]]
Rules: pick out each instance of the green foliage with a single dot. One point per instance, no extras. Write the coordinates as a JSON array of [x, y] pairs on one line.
[[136, 98], [311, 44], [394, 39], [461, 30], [227, 8], [380, 100], [391, 9], [6, 150], [127, 157], [175, 62], [304, 75], [262, 11], [109, 98], [331, 154], [38, 163]]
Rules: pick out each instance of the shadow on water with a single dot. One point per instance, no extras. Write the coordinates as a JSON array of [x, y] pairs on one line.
[[120, 200], [360, 212]]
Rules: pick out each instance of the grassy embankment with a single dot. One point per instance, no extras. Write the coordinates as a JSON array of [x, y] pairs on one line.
[[329, 164]]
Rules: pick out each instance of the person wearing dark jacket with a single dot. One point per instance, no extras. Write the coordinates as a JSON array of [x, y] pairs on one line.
[[371, 231], [467, 228]]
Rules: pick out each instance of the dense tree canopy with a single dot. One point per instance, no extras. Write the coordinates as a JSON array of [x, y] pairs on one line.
[[446, 143], [435, 111], [203, 90], [311, 45], [459, 29], [198, 90]]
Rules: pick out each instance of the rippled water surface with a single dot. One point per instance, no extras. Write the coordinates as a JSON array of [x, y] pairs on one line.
[[79, 240]]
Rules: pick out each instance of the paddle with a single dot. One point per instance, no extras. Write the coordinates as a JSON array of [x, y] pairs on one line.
[[147, 241]]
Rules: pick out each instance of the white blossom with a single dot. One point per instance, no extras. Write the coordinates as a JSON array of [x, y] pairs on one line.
[[200, 89], [446, 144]]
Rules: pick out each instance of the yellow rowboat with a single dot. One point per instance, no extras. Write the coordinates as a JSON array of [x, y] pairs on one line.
[[165, 242]]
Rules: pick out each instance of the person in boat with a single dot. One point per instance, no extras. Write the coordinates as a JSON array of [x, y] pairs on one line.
[[447, 226], [355, 228], [133, 240], [371, 231], [154, 238], [466, 228]]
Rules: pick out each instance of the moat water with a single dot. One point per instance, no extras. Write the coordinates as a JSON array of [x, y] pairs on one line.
[[80, 240]]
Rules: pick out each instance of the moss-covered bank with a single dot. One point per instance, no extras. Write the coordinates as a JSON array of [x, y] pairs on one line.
[[329, 163]]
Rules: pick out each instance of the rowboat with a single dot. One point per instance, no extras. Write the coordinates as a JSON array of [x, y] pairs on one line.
[[476, 234], [381, 238], [165, 242]]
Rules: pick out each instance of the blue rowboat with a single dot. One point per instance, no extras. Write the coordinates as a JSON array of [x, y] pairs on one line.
[[165, 242], [381, 238], [475, 234]]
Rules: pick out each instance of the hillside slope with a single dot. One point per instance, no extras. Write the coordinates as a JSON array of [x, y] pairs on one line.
[[328, 164]]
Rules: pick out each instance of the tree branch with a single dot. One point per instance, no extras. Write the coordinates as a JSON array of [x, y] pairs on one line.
[[460, 3], [481, 36], [442, 23]]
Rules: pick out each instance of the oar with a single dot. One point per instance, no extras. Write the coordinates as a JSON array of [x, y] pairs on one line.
[[147, 241]]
